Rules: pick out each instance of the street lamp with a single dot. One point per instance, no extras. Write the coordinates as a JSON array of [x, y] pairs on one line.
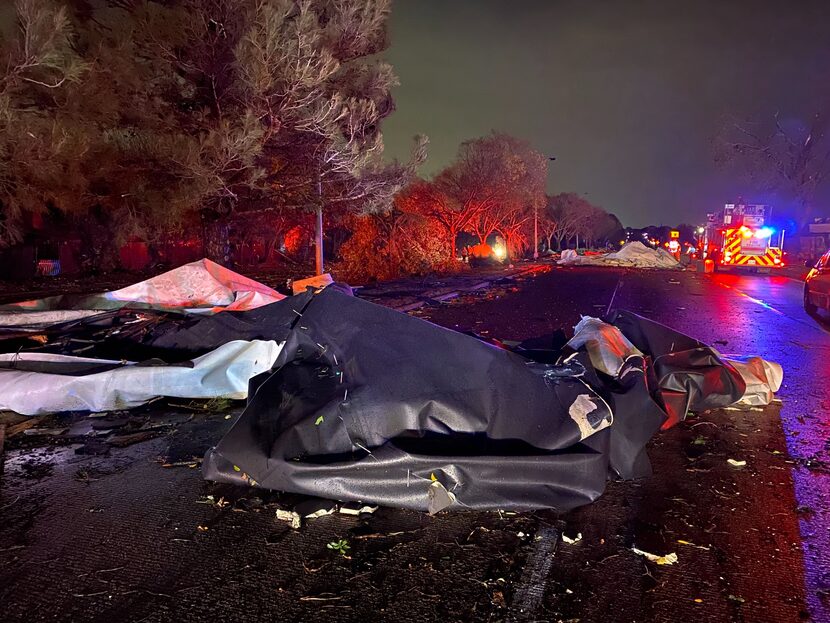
[[536, 224]]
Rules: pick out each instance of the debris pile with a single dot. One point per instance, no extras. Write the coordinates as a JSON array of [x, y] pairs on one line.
[[631, 255], [199, 287], [352, 401]]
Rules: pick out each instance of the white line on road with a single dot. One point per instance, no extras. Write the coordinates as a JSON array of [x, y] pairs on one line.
[[613, 296]]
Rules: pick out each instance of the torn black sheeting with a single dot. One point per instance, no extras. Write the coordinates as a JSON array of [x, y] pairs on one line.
[[370, 404]]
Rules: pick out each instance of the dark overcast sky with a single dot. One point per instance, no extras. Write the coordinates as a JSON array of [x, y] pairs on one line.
[[628, 95]]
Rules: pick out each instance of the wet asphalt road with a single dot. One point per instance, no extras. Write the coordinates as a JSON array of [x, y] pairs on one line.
[[119, 537]]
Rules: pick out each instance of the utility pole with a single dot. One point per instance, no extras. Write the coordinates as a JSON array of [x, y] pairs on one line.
[[536, 224], [318, 230], [535, 231]]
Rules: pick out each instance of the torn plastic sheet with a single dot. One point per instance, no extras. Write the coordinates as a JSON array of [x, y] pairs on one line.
[[199, 286], [37, 383], [607, 347], [686, 374], [763, 378]]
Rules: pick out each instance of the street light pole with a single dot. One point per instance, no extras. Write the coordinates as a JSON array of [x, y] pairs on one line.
[[536, 225], [535, 231]]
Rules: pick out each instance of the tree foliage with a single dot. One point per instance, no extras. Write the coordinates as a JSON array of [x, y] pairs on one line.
[[402, 242], [149, 113]]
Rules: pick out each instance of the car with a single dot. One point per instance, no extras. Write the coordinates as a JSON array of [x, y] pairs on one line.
[[817, 285]]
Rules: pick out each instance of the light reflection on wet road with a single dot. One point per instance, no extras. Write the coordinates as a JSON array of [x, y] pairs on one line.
[[769, 320]]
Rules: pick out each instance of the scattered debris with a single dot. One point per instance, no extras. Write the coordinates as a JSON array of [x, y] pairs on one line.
[[439, 497], [690, 544], [357, 508], [735, 463], [18, 428], [194, 462], [290, 517], [313, 508], [46, 432], [316, 283], [668, 559], [571, 541], [212, 501], [122, 441]]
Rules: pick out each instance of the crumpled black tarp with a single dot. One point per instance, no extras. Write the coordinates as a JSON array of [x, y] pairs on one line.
[[369, 404], [373, 405]]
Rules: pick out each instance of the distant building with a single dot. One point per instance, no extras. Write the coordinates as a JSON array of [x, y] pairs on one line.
[[814, 238]]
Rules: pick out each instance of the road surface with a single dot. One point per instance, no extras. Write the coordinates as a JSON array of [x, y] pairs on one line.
[[121, 537]]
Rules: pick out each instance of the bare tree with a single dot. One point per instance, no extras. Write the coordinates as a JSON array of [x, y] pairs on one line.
[[565, 217], [793, 159], [493, 179]]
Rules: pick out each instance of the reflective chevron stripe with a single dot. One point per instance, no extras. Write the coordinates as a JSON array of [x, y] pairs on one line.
[[732, 245]]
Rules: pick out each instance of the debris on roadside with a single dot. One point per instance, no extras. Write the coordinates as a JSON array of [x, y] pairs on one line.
[[668, 559], [632, 255], [122, 441], [45, 432], [571, 541], [369, 436], [690, 544], [193, 463], [315, 507], [211, 500], [736, 463], [439, 498], [292, 518], [357, 508]]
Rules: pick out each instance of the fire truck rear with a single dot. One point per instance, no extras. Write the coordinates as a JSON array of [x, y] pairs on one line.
[[739, 238]]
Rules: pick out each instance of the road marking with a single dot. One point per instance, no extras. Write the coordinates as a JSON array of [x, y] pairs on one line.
[[613, 296], [813, 325], [763, 304]]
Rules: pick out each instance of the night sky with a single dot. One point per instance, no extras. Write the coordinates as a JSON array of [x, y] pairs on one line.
[[629, 96]]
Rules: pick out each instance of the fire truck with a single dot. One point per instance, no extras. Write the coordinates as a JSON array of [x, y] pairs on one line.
[[739, 238]]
